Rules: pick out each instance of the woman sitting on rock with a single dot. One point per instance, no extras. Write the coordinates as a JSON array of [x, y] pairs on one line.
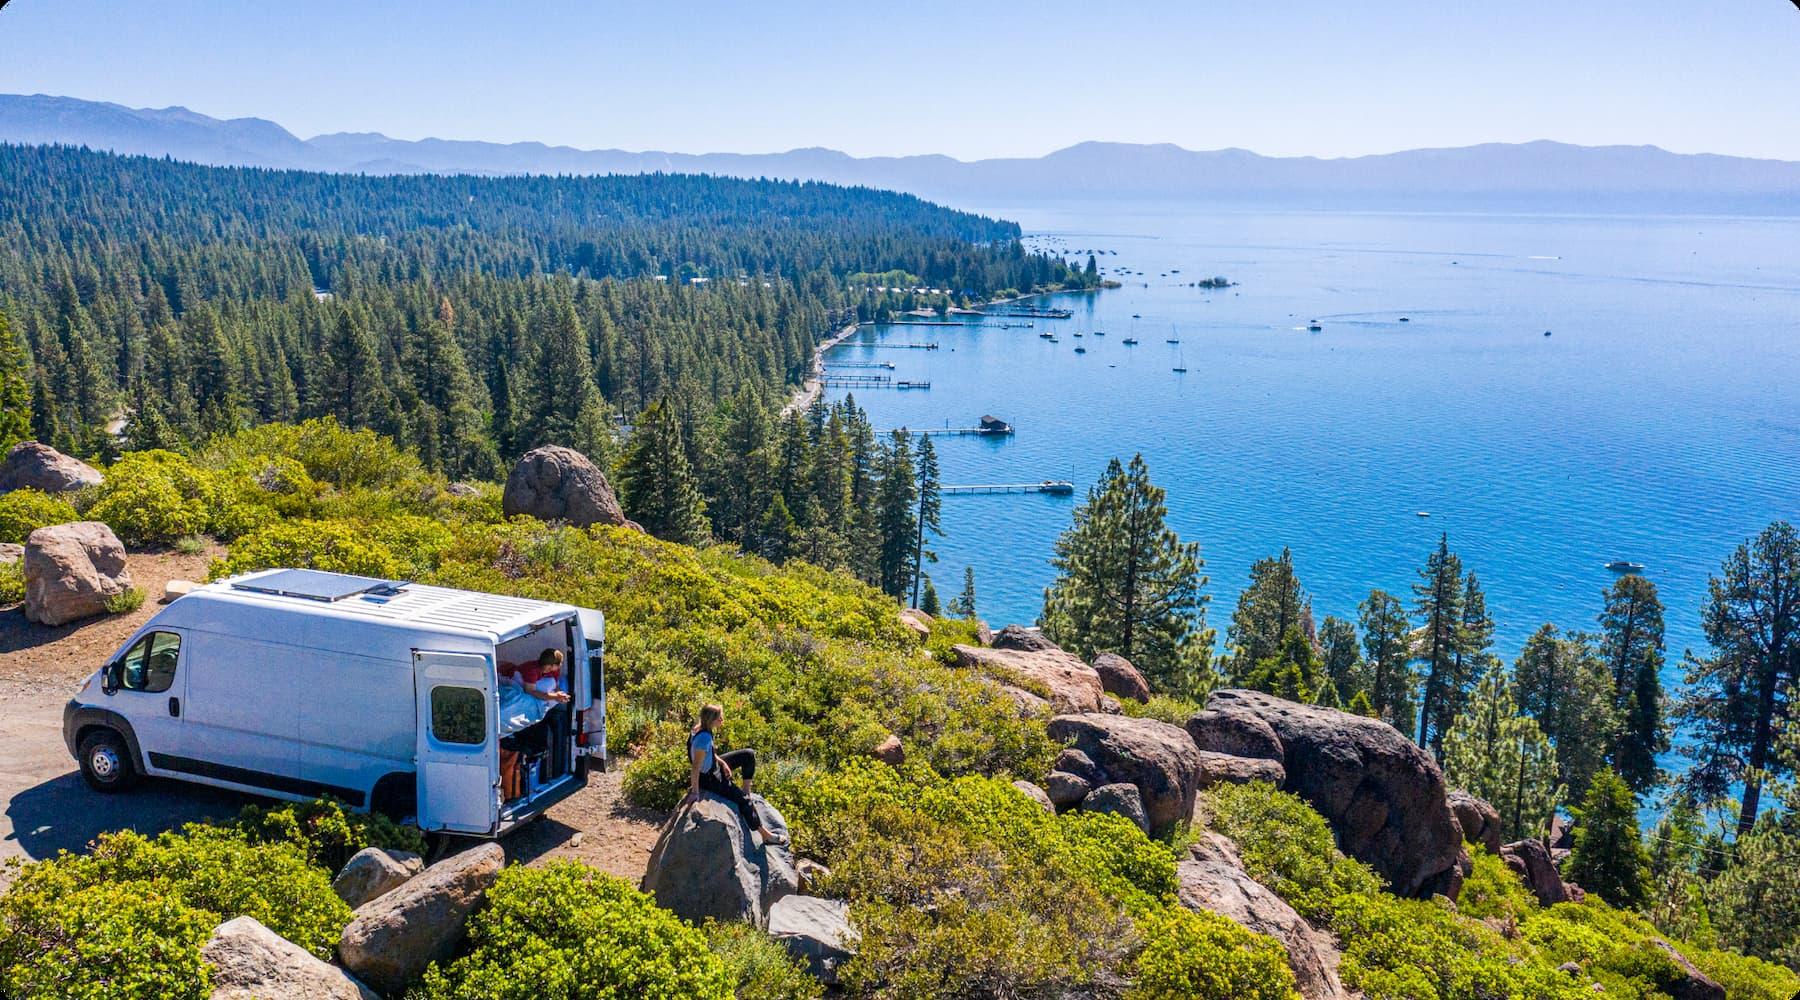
[[711, 771]]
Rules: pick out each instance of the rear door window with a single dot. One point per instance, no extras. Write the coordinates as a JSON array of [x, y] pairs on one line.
[[458, 715]]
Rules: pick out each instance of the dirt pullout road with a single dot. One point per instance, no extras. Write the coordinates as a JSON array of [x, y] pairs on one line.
[[48, 808]]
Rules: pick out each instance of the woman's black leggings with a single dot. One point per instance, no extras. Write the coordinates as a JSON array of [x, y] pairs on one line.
[[743, 765]]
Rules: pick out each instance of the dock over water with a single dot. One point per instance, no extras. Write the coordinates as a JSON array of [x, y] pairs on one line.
[[1054, 487]]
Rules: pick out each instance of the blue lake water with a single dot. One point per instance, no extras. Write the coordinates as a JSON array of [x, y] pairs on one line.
[[1658, 424]]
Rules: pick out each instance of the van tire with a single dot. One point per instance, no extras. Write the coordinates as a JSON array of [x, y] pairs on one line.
[[106, 763], [395, 796]]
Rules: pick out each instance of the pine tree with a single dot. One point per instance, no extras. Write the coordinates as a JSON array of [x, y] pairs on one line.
[[1609, 856], [1494, 752], [1388, 653], [1127, 584], [1340, 655], [1361, 705], [659, 488], [562, 382], [15, 386], [896, 517], [929, 602], [350, 384], [1742, 696], [1438, 603], [1564, 687], [1271, 604], [963, 604], [1632, 645], [930, 506], [1291, 671], [740, 497]]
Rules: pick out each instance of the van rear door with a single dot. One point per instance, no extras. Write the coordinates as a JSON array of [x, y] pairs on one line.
[[458, 755]]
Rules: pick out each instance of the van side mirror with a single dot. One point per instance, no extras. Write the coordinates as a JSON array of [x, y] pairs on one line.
[[109, 677]]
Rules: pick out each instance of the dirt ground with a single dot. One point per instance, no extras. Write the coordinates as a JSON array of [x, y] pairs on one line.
[[48, 808]]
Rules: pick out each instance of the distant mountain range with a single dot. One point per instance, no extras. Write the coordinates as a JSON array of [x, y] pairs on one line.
[[1547, 175]]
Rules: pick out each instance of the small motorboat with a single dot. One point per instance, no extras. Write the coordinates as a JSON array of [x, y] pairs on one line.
[[1046, 335], [1099, 333], [1423, 513], [1405, 319], [1546, 333], [1314, 326], [1080, 350], [1136, 316], [1129, 341], [1625, 566]]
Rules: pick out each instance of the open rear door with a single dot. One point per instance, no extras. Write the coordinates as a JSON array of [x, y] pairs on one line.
[[458, 759], [590, 690]]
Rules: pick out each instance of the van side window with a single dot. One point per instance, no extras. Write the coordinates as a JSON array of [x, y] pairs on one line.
[[458, 714], [150, 663]]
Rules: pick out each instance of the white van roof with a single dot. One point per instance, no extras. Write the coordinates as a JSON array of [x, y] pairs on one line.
[[377, 602]]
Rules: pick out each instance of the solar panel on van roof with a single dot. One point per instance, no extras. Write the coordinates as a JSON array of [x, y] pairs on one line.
[[315, 585]]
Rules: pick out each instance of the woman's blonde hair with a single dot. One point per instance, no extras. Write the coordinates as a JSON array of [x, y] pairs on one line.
[[550, 657], [709, 714]]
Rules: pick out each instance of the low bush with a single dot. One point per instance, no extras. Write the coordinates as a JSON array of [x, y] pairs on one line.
[[151, 497], [12, 582], [127, 920], [24, 511], [1287, 847], [1202, 956], [325, 831], [1743, 977], [758, 966], [326, 450], [1493, 891], [125, 601], [334, 546], [568, 932]]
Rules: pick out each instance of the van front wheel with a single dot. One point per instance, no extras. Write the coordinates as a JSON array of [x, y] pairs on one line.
[[106, 762]]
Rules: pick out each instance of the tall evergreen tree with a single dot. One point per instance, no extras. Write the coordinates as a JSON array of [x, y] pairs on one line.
[[660, 492], [1387, 650], [1609, 856], [929, 602], [15, 385], [1565, 688], [930, 507], [1632, 645], [896, 516], [1340, 654], [350, 386], [1742, 695], [1495, 752], [963, 604], [1272, 603], [1438, 599], [1126, 583]]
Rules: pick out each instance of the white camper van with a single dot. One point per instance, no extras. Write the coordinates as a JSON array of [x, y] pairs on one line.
[[388, 695]]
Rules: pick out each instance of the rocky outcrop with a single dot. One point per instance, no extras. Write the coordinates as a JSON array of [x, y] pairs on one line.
[[1211, 879], [1035, 794], [1693, 984], [707, 863], [1383, 796], [71, 571], [1066, 790], [371, 872], [1119, 799], [1236, 733], [34, 466], [1157, 758], [251, 962], [1073, 761], [1480, 821], [1223, 768], [1119, 678], [1531, 860], [817, 932], [1023, 660], [554, 483], [392, 938]]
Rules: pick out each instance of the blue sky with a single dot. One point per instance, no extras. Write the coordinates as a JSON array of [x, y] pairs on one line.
[[968, 79]]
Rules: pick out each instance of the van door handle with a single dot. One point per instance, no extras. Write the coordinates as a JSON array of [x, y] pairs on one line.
[[175, 707]]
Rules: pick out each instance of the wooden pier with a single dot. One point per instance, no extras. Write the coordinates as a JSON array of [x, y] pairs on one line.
[[1026, 312], [870, 382], [1054, 487], [902, 347], [949, 431], [889, 365]]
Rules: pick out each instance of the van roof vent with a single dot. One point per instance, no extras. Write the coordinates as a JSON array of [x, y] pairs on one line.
[[316, 585]]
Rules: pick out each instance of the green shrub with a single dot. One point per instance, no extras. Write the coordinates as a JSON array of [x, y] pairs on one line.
[[335, 546], [1493, 891], [1616, 948], [157, 496], [1163, 708], [1403, 949], [1203, 956], [1743, 977], [326, 832], [758, 966], [125, 601], [658, 779], [1287, 847], [127, 919], [329, 453], [190, 545], [24, 511], [568, 932], [12, 582]]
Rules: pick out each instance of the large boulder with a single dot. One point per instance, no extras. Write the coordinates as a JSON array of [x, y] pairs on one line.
[[1693, 984], [393, 937], [71, 571], [1120, 799], [1022, 657], [251, 962], [708, 863], [554, 483], [1154, 756], [1479, 820], [1119, 678], [1223, 769], [917, 622], [815, 931], [372, 872], [1383, 796], [30, 465], [1239, 734], [1210, 879], [1531, 860]]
